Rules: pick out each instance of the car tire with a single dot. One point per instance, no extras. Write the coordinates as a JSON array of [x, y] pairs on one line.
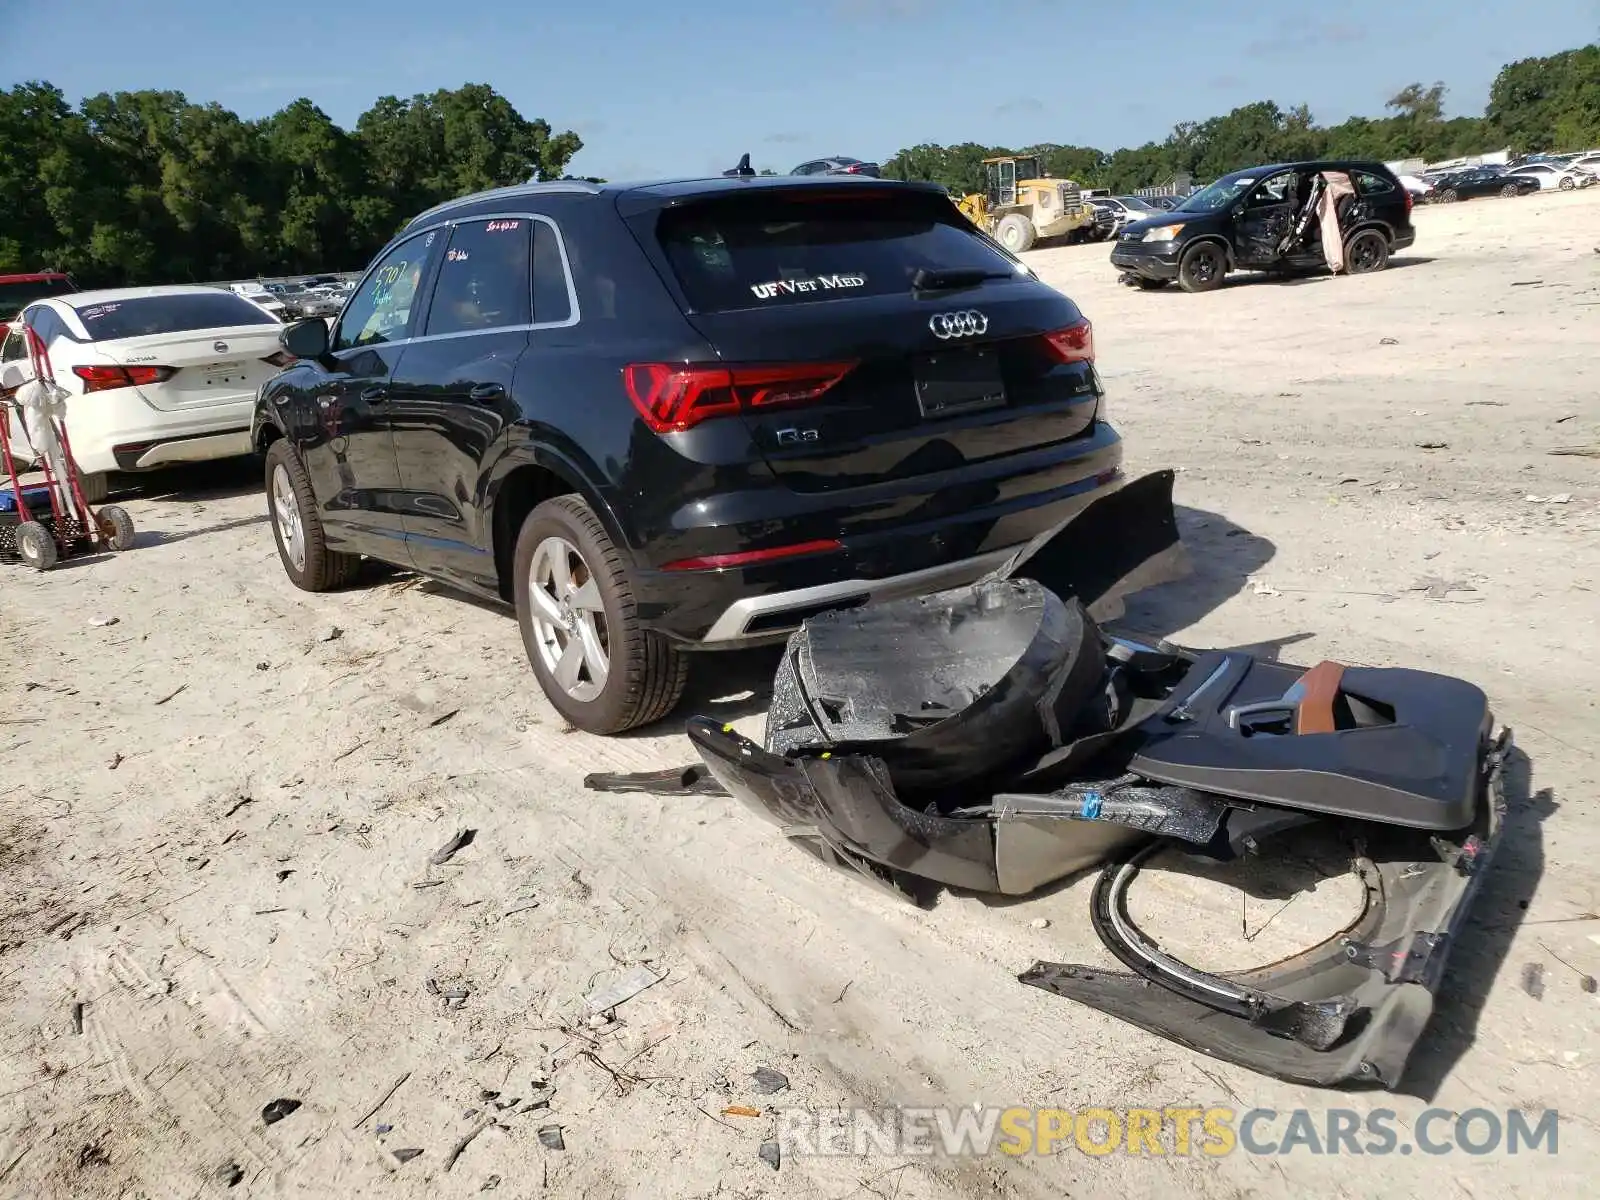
[[1015, 232], [96, 487], [624, 675], [297, 527], [1449, 196], [1510, 189], [1202, 267], [1366, 252], [1567, 185]]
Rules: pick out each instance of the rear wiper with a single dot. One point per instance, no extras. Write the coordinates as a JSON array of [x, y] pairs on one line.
[[945, 278]]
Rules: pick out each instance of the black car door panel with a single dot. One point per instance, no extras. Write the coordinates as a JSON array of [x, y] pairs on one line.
[[349, 453], [346, 441], [453, 397], [450, 405]]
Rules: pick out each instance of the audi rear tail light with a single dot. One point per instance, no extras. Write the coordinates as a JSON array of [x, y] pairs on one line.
[[672, 397], [1073, 344], [105, 378]]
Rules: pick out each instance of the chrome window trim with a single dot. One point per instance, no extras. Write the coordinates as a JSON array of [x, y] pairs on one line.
[[378, 261], [574, 315]]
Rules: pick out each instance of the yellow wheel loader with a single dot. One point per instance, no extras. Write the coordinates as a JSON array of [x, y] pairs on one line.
[[1020, 206]]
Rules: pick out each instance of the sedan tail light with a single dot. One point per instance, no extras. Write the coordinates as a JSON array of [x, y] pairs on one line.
[[105, 378], [672, 397], [1073, 344], [280, 359]]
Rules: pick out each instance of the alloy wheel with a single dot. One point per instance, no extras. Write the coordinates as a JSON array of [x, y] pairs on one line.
[[569, 619], [286, 512]]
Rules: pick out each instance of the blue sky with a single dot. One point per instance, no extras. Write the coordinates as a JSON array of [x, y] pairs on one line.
[[660, 88]]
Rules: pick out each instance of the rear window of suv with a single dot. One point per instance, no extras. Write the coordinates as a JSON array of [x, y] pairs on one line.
[[773, 251], [169, 314]]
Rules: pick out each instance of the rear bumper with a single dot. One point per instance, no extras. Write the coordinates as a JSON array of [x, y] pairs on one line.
[[1147, 260], [119, 431], [202, 447], [942, 540]]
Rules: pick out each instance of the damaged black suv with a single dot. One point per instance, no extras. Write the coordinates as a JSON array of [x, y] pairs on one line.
[[1289, 218], [683, 416]]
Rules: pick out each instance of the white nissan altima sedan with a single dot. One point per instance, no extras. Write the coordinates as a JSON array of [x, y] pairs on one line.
[[155, 375]]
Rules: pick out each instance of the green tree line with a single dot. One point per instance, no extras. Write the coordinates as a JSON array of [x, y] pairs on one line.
[[149, 187], [1535, 104]]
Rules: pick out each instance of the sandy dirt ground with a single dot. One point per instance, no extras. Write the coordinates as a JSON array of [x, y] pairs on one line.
[[217, 814]]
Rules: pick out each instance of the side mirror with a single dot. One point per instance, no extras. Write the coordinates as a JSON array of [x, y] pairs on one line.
[[306, 339]]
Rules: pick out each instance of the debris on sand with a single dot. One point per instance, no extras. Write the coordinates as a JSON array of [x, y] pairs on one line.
[[230, 1174], [462, 839], [771, 1154], [1533, 980], [768, 1082], [466, 1140], [622, 990], [382, 1100], [277, 1110], [550, 1137]]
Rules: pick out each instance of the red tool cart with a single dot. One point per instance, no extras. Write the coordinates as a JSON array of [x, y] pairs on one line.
[[46, 522]]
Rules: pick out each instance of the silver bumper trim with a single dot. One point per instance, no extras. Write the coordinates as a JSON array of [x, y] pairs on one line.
[[736, 618]]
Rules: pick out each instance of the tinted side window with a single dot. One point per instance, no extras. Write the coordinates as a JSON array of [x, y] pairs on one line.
[[483, 278], [1369, 184], [381, 308], [552, 301], [14, 347]]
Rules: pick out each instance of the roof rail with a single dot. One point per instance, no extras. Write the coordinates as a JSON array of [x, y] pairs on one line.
[[532, 188]]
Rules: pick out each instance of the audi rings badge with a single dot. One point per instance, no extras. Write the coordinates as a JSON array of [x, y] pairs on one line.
[[966, 323]]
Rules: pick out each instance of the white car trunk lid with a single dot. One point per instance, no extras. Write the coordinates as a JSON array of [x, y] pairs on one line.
[[210, 366]]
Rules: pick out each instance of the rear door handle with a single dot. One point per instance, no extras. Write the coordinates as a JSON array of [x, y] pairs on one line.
[[487, 391], [375, 395]]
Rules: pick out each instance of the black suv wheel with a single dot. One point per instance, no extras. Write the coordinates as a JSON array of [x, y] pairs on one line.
[[599, 667], [297, 529], [1366, 252], [1202, 268]]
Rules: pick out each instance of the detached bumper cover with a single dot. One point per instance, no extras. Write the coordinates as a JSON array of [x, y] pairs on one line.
[[993, 739], [1349, 1010]]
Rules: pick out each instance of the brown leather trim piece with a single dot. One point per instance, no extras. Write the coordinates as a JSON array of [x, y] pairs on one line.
[[1321, 684]]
